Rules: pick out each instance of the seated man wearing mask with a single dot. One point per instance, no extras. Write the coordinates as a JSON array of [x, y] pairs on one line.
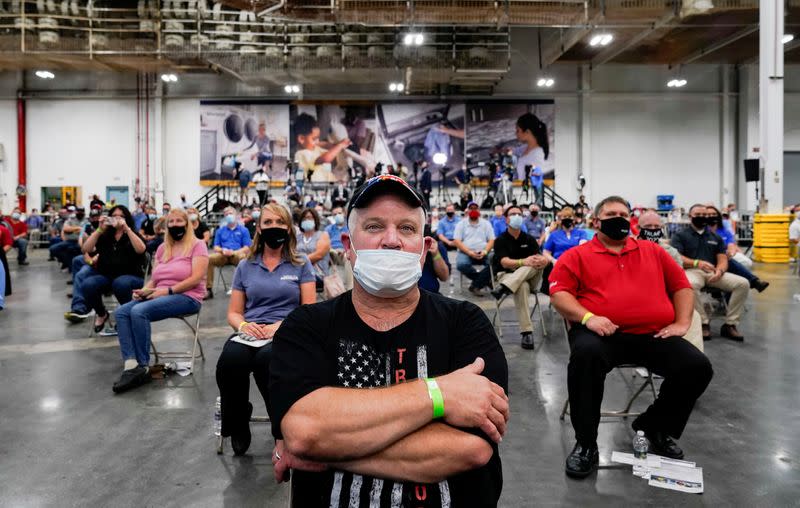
[[628, 302], [387, 395], [706, 264], [335, 231], [474, 239], [518, 267], [447, 227], [533, 223], [231, 245]]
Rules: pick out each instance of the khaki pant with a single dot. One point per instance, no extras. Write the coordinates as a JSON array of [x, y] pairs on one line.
[[338, 258], [522, 282], [219, 259], [695, 333], [737, 286]]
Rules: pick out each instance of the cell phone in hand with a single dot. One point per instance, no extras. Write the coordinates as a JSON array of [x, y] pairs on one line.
[[109, 221]]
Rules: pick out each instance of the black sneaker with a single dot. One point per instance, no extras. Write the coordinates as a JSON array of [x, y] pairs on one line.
[[69, 282], [99, 327], [131, 379], [759, 285], [209, 294], [582, 461], [23, 263], [527, 340], [500, 291], [475, 291]]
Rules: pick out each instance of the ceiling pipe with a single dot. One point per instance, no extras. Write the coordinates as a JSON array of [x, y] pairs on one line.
[[272, 9]]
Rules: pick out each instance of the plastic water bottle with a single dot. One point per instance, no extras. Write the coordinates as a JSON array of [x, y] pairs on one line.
[[796, 298], [640, 445], [218, 417]]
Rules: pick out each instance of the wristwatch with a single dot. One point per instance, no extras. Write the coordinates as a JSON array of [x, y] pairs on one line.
[[170, 291]]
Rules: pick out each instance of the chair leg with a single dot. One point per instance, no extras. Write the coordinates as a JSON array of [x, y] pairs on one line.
[[497, 320], [155, 351], [220, 444], [537, 305], [638, 392]]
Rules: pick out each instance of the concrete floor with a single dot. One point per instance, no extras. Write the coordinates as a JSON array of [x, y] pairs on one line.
[[68, 441]]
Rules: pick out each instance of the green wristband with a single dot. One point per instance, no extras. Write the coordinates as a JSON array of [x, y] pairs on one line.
[[436, 397]]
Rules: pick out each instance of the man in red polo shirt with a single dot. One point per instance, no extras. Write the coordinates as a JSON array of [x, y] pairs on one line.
[[19, 231], [628, 302]]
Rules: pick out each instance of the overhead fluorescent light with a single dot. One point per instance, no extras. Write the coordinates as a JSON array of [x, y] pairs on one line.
[[601, 40], [787, 38], [169, 78], [45, 75], [545, 82], [439, 158]]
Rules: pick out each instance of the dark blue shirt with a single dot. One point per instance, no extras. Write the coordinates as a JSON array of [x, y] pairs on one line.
[[270, 296], [233, 239], [429, 281]]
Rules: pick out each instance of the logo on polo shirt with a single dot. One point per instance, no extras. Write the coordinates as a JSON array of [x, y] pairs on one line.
[[712, 242], [290, 277]]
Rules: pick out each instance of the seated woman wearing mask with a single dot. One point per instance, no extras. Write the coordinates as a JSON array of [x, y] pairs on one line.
[[176, 288], [315, 244], [200, 228], [267, 286], [120, 263], [565, 237]]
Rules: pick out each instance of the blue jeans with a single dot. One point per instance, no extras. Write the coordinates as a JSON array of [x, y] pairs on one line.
[[95, 284], [739, 269], [466, 265], [65, 251], [21, 244], [134, 318], [80, 270]]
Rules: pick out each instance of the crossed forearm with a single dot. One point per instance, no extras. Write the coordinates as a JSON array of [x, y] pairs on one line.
[[364, 423], [428, 455]]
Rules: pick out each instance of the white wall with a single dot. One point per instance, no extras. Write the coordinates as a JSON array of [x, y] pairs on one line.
[[86, 143], [182, 150], [8, 167], [645, 145]]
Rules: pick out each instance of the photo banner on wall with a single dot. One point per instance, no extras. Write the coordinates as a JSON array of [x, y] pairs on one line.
[[524, 129], [238, 137], [330, 143]]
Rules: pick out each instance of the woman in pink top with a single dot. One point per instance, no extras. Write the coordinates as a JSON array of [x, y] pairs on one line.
[[176, 288]]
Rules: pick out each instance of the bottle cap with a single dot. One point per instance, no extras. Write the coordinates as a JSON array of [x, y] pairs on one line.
[[640, 433]]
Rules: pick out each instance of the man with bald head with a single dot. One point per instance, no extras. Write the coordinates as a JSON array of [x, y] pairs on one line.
[[651, 228]]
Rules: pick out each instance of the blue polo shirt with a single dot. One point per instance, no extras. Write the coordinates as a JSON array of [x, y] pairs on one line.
[[270, 296], [447, 226], [726, 236], [233, 239], [558, 243], [335, 232]]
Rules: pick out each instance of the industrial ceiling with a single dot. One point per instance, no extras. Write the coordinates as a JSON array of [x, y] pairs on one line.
[[465, 46]]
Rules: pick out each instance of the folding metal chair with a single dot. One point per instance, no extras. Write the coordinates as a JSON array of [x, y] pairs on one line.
[[179, 355], [497, 320], [626, 412]]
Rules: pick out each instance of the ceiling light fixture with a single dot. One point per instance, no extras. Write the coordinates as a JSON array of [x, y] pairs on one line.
[[601, 40], [292, 89], [545, 82], [676, 83], [169, 78], [45, 75], [787, 38], [410, 39], [439, 158], [396, 87]]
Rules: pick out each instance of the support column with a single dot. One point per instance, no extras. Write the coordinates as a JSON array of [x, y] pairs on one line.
[[770, 80], [585, 134]]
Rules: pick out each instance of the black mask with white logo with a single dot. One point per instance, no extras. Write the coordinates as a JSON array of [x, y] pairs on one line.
[[653, 235], [616, 228], [177, 232], [567, 223], [273, 237]]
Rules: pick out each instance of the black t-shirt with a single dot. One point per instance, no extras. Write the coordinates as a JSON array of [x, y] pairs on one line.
[[202, 227], [703, 246], [117, 257], [327, 344], [506, 246]]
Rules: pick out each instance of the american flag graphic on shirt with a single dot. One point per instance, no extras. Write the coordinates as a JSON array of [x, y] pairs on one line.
[[361, 366]]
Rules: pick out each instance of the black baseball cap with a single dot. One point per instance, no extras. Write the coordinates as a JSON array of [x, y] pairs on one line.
[[385, 184]]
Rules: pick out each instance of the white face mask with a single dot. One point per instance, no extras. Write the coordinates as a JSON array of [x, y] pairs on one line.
[[387, 273]]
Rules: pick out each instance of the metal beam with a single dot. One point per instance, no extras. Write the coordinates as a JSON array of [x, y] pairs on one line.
[[614, 51], [567, 40], [701, 53]]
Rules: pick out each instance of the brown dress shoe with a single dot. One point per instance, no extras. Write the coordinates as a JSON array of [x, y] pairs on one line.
[[730, 332]]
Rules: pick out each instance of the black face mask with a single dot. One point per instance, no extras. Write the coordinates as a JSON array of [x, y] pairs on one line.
[[451, 214], [273, 237], [616, 228], [534, 214], [654, 235], [567, 223], [177, 232], [699, 222]]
